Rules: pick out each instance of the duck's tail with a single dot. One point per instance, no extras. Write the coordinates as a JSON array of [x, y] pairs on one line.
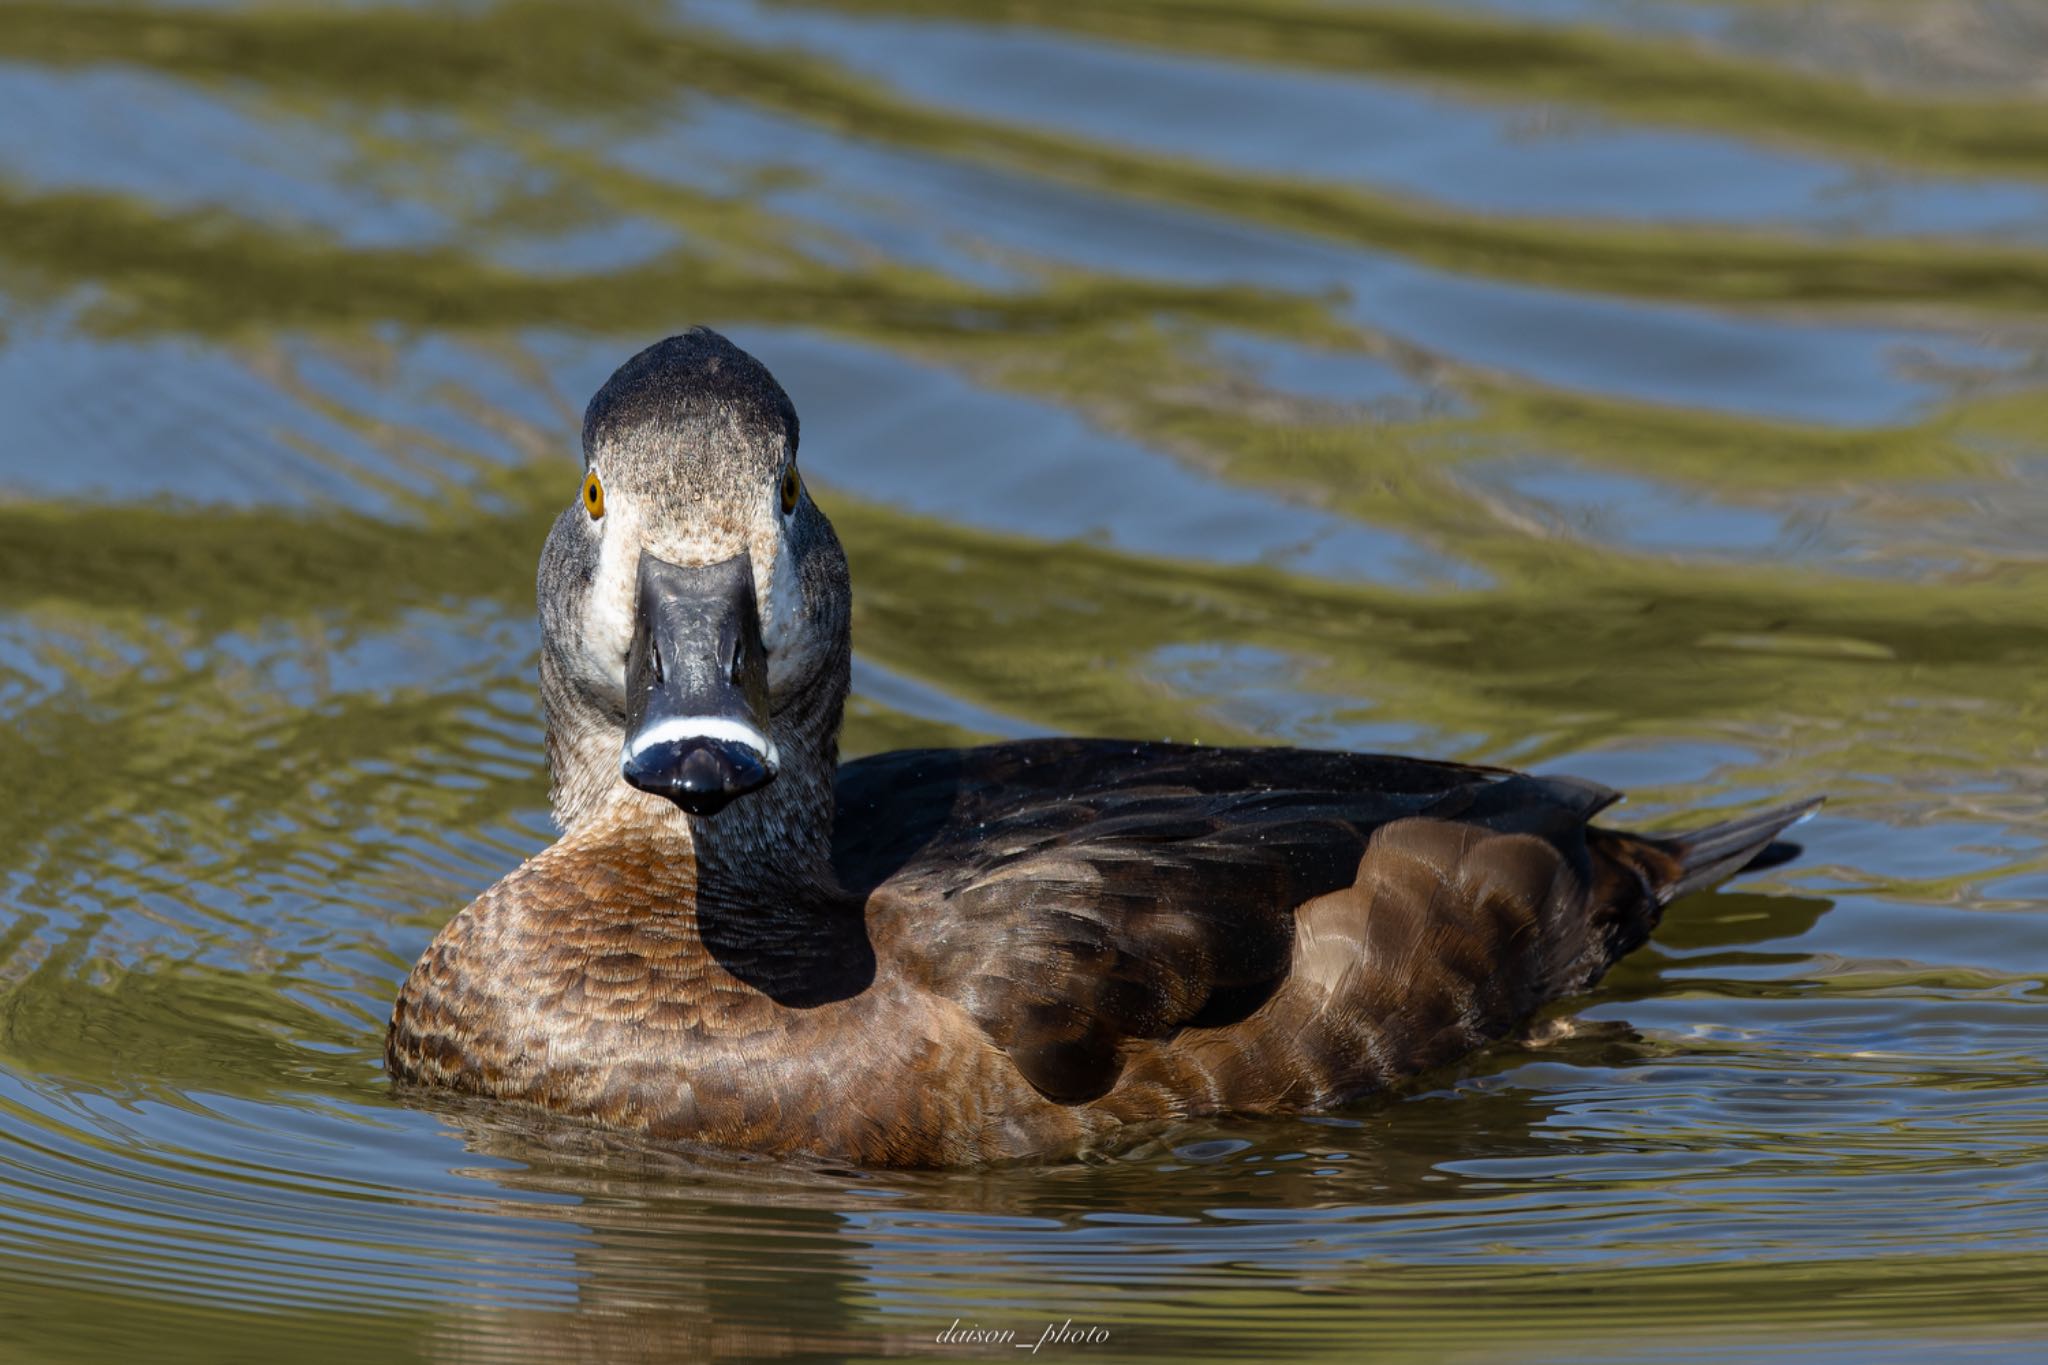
[[1707, 857]]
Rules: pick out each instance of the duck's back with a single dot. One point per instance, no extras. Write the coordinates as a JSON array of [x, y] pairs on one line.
[[1165, 929]]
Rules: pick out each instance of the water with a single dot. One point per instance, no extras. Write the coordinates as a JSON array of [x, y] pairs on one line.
[[1654, 392]]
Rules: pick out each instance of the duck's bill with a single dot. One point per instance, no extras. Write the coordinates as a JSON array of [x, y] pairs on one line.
[[697, 686]]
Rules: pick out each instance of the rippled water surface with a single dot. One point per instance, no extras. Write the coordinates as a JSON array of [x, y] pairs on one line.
[[1652, 391]]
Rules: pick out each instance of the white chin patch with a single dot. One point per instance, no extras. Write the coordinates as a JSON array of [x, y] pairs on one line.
[[678, 728]]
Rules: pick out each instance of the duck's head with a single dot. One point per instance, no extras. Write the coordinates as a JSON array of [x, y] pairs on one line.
[[694, 601]]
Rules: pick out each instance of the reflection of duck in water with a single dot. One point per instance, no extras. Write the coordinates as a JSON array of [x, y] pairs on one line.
[[665, 1243], [943, 956]]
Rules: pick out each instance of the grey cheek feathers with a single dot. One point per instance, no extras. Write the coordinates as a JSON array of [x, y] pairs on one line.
[[793, 652]]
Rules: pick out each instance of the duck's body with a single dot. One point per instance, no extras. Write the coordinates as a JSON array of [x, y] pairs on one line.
[[935, 957]]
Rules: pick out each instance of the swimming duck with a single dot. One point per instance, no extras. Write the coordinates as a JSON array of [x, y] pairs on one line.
[[934, 956]]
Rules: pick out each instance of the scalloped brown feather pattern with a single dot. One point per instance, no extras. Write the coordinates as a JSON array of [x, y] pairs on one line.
[[1038, 943]]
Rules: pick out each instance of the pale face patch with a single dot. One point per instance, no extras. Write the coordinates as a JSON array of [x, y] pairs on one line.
[[608, 612], [795, 651]]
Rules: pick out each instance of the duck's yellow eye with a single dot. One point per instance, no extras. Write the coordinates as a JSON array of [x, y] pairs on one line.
[[593, 496], [792, 486]]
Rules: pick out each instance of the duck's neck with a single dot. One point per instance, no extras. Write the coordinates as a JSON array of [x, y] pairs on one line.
[[780, 835]]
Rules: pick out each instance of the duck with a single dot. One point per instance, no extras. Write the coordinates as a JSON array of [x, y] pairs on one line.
[[1029, 950]]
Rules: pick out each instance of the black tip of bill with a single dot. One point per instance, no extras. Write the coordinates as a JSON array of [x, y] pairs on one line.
[[699, 774]]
